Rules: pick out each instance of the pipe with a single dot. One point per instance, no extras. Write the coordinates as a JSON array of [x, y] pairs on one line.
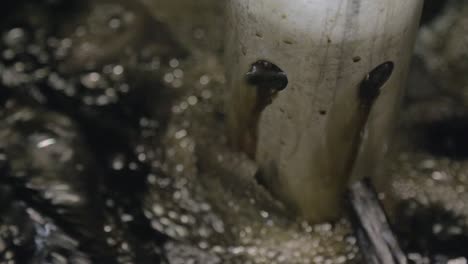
[[294, 69]]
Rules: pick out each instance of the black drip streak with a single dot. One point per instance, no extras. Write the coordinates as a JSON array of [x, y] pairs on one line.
[[368, 92], [268, 79], [366, 212]]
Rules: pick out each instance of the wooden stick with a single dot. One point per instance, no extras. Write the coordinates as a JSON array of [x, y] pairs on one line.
[[302, 135], [375, 237]]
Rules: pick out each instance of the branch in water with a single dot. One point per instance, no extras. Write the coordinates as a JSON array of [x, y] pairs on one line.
[[375, 237]]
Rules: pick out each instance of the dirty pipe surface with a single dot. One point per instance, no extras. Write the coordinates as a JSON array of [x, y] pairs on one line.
[[303, 134]]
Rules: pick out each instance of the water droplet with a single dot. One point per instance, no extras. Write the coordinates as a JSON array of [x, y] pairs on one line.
[[115, 23], [179, 167], [107, 228], [118, 69], [46, 142], [118, 163], [169, 77], [237, 250], [206, 94], [126, 218], [177, 83], [205, 80], [264, 214], [174, 63], [178, 73], [91, 80], [158, 210], [102, 100], [180, 134], [8, 54], [439, 176], [192, 100], [15, 37]]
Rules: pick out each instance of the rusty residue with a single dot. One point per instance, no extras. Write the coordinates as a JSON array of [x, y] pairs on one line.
[[268, 79]]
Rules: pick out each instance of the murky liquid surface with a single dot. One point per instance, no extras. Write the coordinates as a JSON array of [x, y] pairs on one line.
[[113, 138], [112, 148]]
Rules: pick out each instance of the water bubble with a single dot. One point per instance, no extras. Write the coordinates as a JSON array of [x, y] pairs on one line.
[[19, 66], [9, 255], [180, 134], [174, 63], [169, 77], [178, 73], [218, 249], [206, 94], [91, 80], [185, 219], [439, 176], [107, 228], [183, 105], [155, 64], [8, 54], [126, 217], [164, 183], [203, 244], [46, 142], [133, 166], [157, 226], [181, 231], [218, 226], [177, 83], [204, 232], [56, 81], [205, 207], [118, 69], [428, 164], [165, 221], [124, 246], [115, 23], [158, 210], [318, 259], [110, 203], [351, 240], [70, 90], [142, 157], [102, 100], [455, 230], [118, 163], [460, 260], [15, 37], [192, 100], [110, 92], [124, 88], [128, 17], [237, 250], [204, 80]]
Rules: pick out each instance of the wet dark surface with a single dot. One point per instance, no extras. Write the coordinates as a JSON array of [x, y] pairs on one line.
[[432, 8], [75, 130]]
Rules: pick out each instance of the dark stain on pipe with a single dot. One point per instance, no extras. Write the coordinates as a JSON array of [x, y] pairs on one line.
[[368, 92], [268, 80]]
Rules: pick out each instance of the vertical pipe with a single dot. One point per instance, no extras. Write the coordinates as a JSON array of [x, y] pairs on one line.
[[303, 135]]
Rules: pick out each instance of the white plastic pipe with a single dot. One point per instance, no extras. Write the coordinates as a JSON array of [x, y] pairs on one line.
[[304, 139]]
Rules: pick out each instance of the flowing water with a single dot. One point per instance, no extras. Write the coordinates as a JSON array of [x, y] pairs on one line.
[[112, 149]]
